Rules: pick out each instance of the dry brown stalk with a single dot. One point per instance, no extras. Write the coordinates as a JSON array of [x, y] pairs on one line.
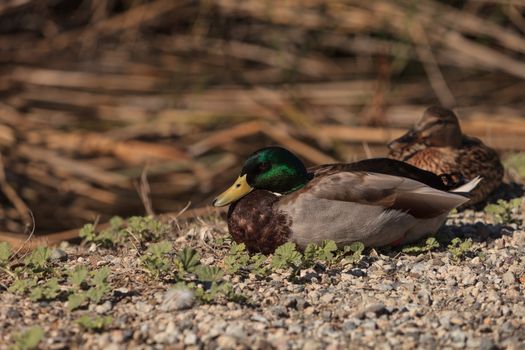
[[23, 210], [144, 191], [70, 167], [281, 136], [225, 136], [134, 152]]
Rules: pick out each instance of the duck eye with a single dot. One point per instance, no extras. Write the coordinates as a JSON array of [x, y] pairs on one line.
[[238, 185], [264, 166]]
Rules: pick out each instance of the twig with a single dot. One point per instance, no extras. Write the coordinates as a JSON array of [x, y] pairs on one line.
[[29, 237], [367, 150], [280, 135], [144, 192], [434, 74], [20, 206]]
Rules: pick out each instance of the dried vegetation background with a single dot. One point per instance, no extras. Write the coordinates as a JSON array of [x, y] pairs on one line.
[[104, 104]]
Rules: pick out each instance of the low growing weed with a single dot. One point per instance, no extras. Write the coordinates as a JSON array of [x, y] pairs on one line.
[[87, 286], [502, 211], [186, 268], [94, 323], [238, 258], [516, 164], [140, 228], [156, 259], [431, 243], [38, 279], [47, 291], [5, 253], [460, 248], [39, 260], [287, 256], [28, 339]]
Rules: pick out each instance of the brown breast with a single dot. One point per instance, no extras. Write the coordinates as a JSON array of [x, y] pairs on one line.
[[253, 221]]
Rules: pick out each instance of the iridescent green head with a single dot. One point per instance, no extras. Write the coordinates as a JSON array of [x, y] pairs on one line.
[[273, 169]]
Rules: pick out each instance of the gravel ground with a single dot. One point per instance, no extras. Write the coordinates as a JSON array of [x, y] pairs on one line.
[[389, 300]]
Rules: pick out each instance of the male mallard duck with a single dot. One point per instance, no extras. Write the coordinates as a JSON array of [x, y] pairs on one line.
[[378, 202], [437, 144]]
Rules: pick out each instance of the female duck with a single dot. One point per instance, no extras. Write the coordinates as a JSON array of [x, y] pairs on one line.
[[378, 202], [437, 144]]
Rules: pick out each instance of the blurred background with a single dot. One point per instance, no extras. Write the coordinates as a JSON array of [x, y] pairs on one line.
[[131, 106]]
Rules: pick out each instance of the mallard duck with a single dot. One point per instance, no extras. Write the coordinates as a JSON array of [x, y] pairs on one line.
[[378, 202], [437, 144]]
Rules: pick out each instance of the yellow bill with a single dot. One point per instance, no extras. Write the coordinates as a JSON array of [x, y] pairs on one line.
[[239, 189]]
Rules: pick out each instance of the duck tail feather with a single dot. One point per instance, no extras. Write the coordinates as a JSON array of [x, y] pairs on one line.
[[469, 186]]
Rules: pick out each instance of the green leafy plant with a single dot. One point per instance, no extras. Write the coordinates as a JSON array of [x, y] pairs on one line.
[[209, 273], [147, 228], [459, 248], [502, 211], [88, 233], [20, 286], [77, 278], [36, 266], [155, 258], [5, 253], [221, 240], [326, 251], [75, 300], [49, 290], [97, 286], [258, 265], [38, 260], [216, 289], [108, 237], [429, 244], [237, 258], [96, 323], [205, 281], [112, 235], [78, 275], [100, 286], [83, 286], [187, 260], [140, 228], [28, 339], [353, 253], [516, 164], [286, 256]]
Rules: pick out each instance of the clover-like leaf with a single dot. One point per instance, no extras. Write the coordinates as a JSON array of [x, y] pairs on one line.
[[39, 258], [78, 275], [5, 253], [95, 323], [74, 301], [99, 277], [209, 273], [189, 259], [285, 256], [29, 339]]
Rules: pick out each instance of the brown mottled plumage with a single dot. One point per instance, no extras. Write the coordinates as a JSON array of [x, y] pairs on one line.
[[253, 221], [437, 144], [377, 202]]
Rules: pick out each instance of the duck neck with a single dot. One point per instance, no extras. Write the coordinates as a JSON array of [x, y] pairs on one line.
[[299, 183]]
